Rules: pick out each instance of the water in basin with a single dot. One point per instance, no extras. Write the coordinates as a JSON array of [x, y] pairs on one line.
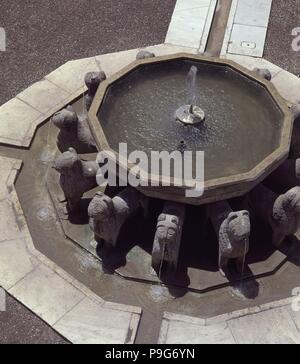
[[242, 122]]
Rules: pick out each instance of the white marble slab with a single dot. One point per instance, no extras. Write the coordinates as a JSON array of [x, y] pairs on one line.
[[9, 229], [43, 96], [7, 166], [247, 27], [70, 76], [178, 329], [47, 294], [16, 118], [90, 323], [15, 262], [254, 13], [288, 86], [268, 327], [190, 22], [296, 314], [113, 62], [247, 40], [253, 62]]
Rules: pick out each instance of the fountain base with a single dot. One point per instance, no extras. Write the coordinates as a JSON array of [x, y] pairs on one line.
[[190, 114]]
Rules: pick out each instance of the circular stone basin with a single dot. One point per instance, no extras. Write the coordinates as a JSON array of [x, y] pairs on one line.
[[246, 124]]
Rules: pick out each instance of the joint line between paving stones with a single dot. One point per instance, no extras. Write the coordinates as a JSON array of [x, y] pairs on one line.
[[71, 309], [58, 86], [24, 277]]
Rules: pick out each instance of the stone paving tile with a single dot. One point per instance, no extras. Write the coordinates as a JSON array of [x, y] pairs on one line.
[[257, 15], [296, 314], [43, 96], [288, 85], [188, 330], [247, 40], [247, 28], [47, 294], [276, 322], [9, 229], [16, 118], [166, 49], [15, 262], [90, 323], [112, 62], [70, 76], [253, 62], [7, 165], [268, 327], [189, 21]]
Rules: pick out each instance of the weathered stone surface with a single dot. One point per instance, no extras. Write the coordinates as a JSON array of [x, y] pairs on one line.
[[8, 222], [168, 234], [288, 85], [8, 168], [114, 62], [70, 76], [107, 215], [268, 327], [74, 131], [17, 119], [92, 81], [296, 314], [144, 54], [252, 62], [233, 231], [178, 329], [264, 73], [15, 262], [44, 96], [76, 177], [90, 323], [47, 294], [281, 212]]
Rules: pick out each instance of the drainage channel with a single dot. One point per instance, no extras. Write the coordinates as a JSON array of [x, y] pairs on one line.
[[218, 28]]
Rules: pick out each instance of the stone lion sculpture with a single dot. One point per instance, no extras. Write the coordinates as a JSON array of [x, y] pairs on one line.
[[92, 81], [74, 132], [233, 231], [107, 215], [264, 73], [143, 54], [167, 238], [76, 177], [281, 212]]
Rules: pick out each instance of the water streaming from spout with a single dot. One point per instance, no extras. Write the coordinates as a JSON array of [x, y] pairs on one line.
[[191, 86], [190, 113], [244, 261], [162, 260], [84, 109]]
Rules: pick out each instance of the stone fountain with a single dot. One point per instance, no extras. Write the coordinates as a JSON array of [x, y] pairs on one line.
[[191, 103]]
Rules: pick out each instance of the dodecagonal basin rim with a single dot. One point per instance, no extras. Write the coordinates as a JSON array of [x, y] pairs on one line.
[[101, 121]]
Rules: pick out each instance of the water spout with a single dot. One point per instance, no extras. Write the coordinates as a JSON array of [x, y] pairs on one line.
[[190, 113], [191, 87]]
